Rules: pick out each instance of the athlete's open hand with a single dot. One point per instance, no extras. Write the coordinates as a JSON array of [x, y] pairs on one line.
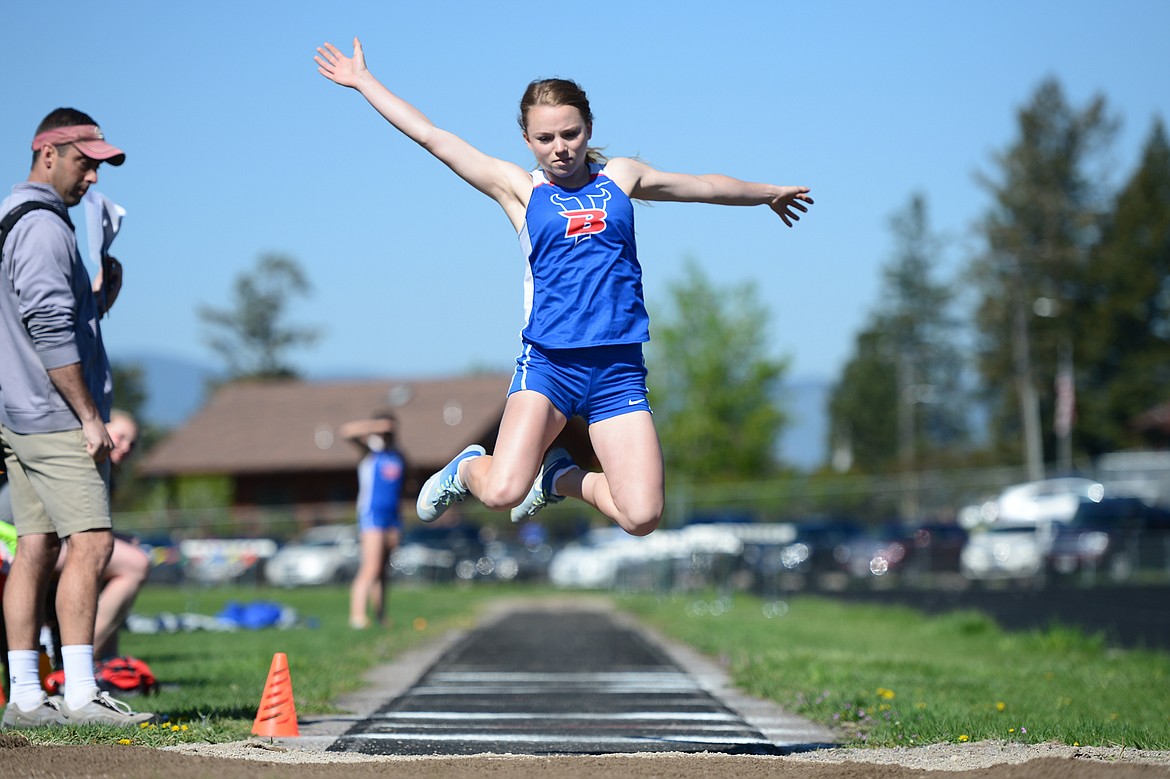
[[789, 201], [337, 67]]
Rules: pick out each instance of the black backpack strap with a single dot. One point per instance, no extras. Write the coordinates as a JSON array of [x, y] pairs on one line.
[[10, 219]]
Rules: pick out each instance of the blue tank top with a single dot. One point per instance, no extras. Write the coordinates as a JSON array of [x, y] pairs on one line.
[[379, 485], [582, 283]]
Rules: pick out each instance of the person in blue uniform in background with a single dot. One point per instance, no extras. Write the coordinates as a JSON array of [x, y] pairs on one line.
[[380, 475], [585, 314]]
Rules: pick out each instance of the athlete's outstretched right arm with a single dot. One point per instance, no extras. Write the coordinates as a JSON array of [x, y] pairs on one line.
[[502, 181]]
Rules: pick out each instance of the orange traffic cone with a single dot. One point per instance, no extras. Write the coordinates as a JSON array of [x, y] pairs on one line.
[[277, 716]]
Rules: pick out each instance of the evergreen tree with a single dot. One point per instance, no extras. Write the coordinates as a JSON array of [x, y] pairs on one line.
[[1123, 338], [714, 388], [900, 399], [1037, 235], [863, 428]]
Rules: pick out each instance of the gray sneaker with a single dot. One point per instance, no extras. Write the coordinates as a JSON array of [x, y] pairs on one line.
[[541, 494], [104, 710], [47, 713], [440, 491]]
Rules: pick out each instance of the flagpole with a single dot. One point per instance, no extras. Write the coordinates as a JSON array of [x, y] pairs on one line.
[[1065, 412]]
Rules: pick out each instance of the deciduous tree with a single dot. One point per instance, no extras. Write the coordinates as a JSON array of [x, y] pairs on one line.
[[252, 336], [714, 386]]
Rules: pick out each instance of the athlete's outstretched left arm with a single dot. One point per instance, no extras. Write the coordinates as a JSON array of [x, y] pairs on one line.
[[643, 182]]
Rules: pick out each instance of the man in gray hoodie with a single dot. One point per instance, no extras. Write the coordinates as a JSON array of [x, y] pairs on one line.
[[55, 395]]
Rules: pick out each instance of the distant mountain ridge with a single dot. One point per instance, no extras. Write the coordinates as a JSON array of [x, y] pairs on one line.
[[175, 387], [805, 441]]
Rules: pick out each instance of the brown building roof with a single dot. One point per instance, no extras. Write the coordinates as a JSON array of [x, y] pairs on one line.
[[290, 426]]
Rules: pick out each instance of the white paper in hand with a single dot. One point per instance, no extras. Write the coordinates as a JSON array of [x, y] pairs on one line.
[[103, 220]]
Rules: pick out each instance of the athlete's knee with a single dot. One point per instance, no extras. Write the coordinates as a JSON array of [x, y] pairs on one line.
[[490, 482], [130, 561], [500, 491], [501, 494], [641, 519], [641, 526]]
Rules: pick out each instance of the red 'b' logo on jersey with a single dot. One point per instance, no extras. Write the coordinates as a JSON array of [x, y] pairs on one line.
[[584, 221]]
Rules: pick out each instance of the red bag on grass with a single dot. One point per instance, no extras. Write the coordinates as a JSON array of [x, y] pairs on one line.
[[119, 676]]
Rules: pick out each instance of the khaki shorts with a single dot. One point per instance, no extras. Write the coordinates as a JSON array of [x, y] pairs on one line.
[[56, 486]]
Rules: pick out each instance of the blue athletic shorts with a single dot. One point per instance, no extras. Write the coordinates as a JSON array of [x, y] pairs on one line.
[[375, 522], [596, 383]]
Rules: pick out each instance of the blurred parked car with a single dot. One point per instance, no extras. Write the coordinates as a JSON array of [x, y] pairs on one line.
[[593, 561], [694, 555], [441, 553], [1046, 500], [223, 560], [896, 549], [1136, 474], [517, 560], [1116, 537], [935, 547], [320, 555], [793, 555], [815, 547], [875, 553], [1004, 550]]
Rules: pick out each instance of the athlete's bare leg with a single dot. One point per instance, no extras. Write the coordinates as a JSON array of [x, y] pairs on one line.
[[367, 595], [530, 424], [630, 488], [124, 576]]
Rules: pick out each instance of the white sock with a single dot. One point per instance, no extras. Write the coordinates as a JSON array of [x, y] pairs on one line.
[[24, 678], [79, 682], [46, 642]]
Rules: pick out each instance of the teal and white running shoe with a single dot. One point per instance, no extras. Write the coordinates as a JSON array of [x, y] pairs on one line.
[[542, 493], [443, 488]]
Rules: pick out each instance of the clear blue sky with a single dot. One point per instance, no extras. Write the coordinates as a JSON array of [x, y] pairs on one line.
[[236, 146]]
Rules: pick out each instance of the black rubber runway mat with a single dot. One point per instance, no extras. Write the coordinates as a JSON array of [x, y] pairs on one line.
[[541, 683]]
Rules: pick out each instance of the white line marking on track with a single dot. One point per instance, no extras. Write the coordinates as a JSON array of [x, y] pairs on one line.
[[522, 738], [603, 716]]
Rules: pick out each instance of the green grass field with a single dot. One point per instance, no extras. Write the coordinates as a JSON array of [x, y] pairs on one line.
[[883, 675], [889, 676]]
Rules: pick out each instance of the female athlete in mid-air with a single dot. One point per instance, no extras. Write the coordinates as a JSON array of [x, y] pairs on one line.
[[586, 321]]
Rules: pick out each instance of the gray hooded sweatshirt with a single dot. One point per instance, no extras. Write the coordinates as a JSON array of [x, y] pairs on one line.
[[48, 319]]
